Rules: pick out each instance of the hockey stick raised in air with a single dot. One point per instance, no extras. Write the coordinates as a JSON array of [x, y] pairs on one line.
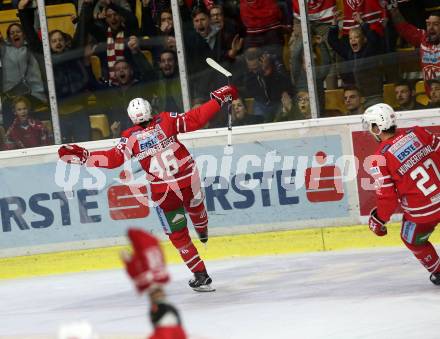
[[228, 75]]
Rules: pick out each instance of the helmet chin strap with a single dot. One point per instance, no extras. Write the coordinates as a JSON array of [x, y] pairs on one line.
[[376, 135]]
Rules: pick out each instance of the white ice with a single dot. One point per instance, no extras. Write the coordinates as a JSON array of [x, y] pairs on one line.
[[376, 294]]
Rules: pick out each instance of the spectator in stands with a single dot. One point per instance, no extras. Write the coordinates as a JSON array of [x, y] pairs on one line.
[[291, 111], [21, 75], [208, 41], [303, 102], [428, 40], [263, 21], [100, 6], [114, 99], [353, 100], [265, 80], [372, 12], [26, 131], [321, 59], [169, 93], [162, 26], [218, 20], [160, 32], [434, 94], [70, 75], [320, 14], [240, 115], [120, 24], [363, 43], [406, 96]]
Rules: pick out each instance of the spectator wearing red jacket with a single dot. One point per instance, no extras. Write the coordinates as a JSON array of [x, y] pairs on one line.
[[263, 22], [25, 131], [371, 11], [427, 40]]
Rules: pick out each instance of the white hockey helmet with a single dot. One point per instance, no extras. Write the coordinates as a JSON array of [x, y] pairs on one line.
[[381, 115], [139, 110]]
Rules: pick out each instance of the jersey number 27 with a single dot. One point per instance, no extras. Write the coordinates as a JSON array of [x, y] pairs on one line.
[[421, 177]]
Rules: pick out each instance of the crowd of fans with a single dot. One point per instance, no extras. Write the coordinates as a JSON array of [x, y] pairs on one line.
[[356, 47]]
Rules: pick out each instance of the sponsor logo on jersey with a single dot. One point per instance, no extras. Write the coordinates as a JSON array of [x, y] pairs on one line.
[[406, 147], [150, 138], [155, 148], [173, 114], [414, 160]]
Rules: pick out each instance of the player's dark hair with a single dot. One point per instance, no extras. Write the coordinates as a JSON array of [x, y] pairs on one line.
[[390, 130]]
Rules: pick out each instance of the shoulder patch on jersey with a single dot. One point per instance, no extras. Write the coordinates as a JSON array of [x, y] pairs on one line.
[[385, 148], [173, 114], [406, 147]]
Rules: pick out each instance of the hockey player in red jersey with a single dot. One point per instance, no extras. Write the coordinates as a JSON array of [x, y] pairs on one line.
[[146, 267], [406, 168], [171, 171]]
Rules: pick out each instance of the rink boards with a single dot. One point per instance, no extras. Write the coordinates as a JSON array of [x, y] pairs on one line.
[[274, 192]]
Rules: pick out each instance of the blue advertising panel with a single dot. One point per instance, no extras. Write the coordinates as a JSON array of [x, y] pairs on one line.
[[265, 182]]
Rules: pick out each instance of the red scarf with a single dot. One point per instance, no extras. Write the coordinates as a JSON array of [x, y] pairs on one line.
[[115, 52]]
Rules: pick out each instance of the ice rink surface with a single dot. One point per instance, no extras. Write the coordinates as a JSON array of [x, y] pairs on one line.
[[373, 294]]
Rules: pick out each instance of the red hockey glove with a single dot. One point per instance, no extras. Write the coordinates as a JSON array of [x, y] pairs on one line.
[[146, 266], [73, 154], [225, 94], [376, 225]]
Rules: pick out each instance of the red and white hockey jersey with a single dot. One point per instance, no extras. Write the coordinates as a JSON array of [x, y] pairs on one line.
[[407, 171], [318, 10], [163, 157], [372, 12], [429, 52]]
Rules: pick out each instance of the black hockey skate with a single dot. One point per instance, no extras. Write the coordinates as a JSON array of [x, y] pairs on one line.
[[203, 235], [201, 282], [435, 278]]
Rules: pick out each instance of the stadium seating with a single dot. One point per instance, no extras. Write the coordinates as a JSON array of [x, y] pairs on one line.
[[389, 95], [100, 126], [149, 56], [421, 96], [48, 125], [58, 17], [334, 101], [95, 62], [2, 136], [249, 103]]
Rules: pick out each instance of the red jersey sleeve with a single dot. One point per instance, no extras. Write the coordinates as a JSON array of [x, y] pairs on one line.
[[115, 156], [195, 118], [410, 33], [428, 138], [386, 194]]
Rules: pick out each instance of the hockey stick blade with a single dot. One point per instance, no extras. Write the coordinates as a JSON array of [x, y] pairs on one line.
[[218, 67]]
